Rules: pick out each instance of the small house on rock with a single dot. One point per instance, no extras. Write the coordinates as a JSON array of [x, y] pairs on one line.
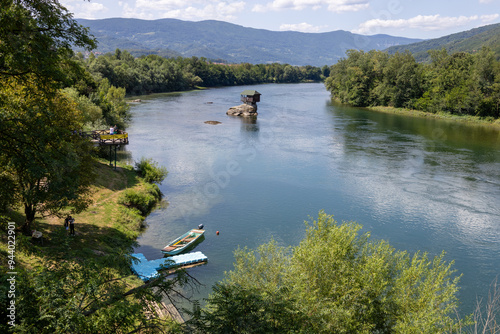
[[249, 106], [250, 97]]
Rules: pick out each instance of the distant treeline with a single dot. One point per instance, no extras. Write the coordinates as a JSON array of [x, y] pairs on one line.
[[458, 83], [155, 74]]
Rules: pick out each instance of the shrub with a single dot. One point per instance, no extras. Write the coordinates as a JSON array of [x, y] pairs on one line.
[[144, 200], [150, 171], [130, 219]]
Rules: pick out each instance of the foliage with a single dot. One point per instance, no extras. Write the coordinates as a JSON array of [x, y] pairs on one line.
[[245, 309], [92, 296], [37, 38], [111, 100], [46, 165], [336, 281], [458, 83], [143, 200], [154, 74], [150, 171], [92, 117]]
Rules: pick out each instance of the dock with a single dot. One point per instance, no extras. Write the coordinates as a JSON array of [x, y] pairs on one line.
[[104, 137], [147, 270]]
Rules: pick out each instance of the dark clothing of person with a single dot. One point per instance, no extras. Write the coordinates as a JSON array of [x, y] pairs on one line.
[[72, 226]]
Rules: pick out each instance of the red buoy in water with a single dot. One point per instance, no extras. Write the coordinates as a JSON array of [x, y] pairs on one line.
[[217, 232]]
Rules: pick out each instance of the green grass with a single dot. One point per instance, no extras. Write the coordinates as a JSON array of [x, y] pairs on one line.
[[106, 227]]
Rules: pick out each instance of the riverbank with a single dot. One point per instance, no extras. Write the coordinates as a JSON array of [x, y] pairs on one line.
[[447, 116], [95, 258], [105, 219]]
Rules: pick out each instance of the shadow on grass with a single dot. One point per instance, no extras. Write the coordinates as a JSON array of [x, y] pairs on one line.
[[89, 241]]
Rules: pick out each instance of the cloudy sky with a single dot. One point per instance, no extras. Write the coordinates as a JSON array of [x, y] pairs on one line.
[[407, 18]]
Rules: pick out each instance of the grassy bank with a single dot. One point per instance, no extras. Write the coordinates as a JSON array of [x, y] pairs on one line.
[[85, 277], [447, 116], [105, 227]]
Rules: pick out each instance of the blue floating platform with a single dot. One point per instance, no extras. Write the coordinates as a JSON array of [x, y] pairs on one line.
[[149, 269]]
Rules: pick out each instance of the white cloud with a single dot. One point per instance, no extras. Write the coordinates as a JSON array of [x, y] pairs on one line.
[[332, 5], [489, 18], [302, 27], [422, 22], [187, 10], [85, 10]]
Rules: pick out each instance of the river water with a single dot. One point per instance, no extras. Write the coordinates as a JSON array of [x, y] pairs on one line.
[[419, 183]]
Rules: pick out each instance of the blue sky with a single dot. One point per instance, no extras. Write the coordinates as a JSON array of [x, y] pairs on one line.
[[406, 18]]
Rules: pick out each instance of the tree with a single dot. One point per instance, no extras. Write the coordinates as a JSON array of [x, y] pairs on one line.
[[351, 80], [37, 36], [401, 82], [49, 165], [94, 296], [337, 281], [44, 166]]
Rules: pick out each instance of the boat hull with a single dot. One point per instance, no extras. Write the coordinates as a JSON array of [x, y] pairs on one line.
[[183, 242]]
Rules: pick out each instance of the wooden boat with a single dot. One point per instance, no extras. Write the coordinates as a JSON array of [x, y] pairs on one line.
[[183, 242]]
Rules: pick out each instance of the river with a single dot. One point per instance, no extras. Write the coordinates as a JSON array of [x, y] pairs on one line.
[[420, 183]]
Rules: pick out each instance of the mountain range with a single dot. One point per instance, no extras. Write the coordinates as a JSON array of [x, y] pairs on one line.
[[467, 41], [227, 42], [217, 40]]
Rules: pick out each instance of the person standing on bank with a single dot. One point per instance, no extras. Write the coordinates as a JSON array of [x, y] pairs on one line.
[[66, 223], [71, 225]]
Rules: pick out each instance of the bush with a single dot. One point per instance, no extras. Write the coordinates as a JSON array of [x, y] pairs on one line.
[[150, 171], [144, 200], [130, 220]]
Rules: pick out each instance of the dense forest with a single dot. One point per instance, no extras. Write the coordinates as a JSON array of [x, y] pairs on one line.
[[458, 83], [155, 74]]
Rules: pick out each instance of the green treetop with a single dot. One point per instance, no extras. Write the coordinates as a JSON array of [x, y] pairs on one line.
[[336, 281]]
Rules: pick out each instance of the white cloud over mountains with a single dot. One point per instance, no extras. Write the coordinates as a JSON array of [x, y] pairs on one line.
[[337, 6], [423, 22], [181, 9], [155, 9], [302, 27]]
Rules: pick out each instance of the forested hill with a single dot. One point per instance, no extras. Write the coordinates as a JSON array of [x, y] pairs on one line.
[[230, 42], [468, 41]]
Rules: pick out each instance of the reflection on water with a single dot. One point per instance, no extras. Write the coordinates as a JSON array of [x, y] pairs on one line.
[[420, 183]]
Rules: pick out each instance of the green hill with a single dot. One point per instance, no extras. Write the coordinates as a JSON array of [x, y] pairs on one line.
[[231, 42], [466, 41]]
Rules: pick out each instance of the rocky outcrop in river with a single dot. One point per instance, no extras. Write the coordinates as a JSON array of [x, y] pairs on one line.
[[244, 110]]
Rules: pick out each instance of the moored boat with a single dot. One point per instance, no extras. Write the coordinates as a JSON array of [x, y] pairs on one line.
[[183, 242]]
